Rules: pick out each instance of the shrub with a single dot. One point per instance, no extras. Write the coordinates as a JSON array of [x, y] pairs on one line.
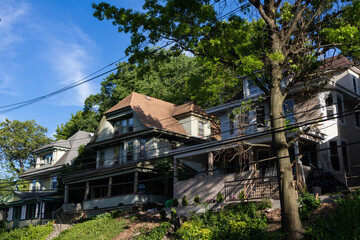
[[175, 203], [196, 199], [103, 215], [173, 213], [184, 201], [2, 226], [344, 224], [40, 232], [308, 204], [241, 195], [264, 204], [219, 198], [156, 233], [243, 221], [163, 214]]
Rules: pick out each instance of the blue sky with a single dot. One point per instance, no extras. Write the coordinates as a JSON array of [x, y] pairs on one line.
[[47, 45]]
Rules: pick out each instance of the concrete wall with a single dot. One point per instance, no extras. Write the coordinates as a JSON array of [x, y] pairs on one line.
[[205, 187], [123, 199]]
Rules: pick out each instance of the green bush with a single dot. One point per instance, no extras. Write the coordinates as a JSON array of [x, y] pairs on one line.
[[163, 214], [184, 201], [241, 195], [156, 233], [103, 227], [244, 221], [175, 203], [173, 213], [219, 198], [196, 199], [264, 204], [308, 204], [40, 232], [2, 226], [344, 224]]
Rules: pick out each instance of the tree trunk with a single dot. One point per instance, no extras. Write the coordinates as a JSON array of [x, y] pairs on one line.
[[290, 219]]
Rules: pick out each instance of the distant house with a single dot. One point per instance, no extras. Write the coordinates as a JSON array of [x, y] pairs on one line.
[[43, 198], [243, 160], [132, 138]]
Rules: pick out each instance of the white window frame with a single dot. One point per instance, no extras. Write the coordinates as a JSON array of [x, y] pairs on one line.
[[338, 154], [52, 182], [341, 120], [355, 84], [101, 158], [201, 123]]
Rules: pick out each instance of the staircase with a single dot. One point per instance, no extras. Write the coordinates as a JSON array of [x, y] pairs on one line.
[[57, 228]]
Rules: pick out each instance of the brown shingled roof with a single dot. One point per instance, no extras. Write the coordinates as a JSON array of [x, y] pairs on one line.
[[337, 62], [156, 113]]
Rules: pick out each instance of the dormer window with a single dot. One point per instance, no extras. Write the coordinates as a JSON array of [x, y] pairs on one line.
[[124, 126], [201, 128], [46, 159]]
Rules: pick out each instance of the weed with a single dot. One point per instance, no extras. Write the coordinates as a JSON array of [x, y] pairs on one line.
[[184, 201]]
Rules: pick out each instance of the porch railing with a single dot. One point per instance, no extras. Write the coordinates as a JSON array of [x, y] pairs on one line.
[[259, 188]]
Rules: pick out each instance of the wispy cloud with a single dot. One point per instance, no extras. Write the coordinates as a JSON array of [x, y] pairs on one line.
[[6, 85], [12, 14], [70, 56]]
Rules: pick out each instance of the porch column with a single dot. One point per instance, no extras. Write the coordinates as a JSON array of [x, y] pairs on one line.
[[109, 187], [136, 181], [87, 191], [175, 169], [210, 164], [66, 194]]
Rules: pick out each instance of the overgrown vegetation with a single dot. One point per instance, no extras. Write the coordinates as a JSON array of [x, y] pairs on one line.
[[28, 233], [103, 227], [156, 233], [244, 221], [344, 224], [308, 204]]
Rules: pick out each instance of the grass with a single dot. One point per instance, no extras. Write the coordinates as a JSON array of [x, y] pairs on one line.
[[101, 227], [28, 233]]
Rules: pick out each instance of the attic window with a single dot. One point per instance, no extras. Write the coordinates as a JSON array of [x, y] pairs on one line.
[[124, 126], [201, 128]]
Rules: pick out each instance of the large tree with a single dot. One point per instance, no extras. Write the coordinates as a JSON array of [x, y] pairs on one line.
[[17, 142], [283, 40]]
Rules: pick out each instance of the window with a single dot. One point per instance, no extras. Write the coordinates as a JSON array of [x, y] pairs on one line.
[[101, 158], [124, 126], [201, 128], [260, 116], [142, 148], [46, 159], [54, 182], [329, 107], [334, 156], [116, 159], [33, 185], [344, 155], [288, 111], [355, 85], [129, 151], [30, 211], [357, 118], [41, 185], [253, 88], [340, 108]]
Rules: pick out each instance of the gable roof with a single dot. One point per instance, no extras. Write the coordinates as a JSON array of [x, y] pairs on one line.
[[156, 113], [72, 144]]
